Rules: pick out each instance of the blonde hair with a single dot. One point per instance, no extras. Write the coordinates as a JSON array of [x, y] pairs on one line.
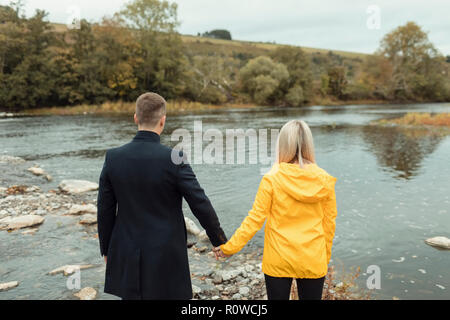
[[295, 143]]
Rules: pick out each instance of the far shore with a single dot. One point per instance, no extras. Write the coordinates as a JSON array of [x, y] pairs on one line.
[[173, 107]]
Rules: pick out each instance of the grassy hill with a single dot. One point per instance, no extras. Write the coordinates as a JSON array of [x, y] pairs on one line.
[[202, 45]]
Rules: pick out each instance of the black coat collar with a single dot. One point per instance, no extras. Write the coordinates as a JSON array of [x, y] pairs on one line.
[[148, 136]]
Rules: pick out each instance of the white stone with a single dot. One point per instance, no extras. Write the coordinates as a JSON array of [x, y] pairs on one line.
[[11, 159], [196, 290], [70, 269], [88, 219], [78, 209], [244, 291], [191, 227], [37, 171], [77, 186], [21, 222], [8, 285], [203, 237], [86, 294], [237, 296], [439, 242]]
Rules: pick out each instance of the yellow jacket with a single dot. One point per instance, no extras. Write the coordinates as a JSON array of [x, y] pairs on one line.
[[300, 208]]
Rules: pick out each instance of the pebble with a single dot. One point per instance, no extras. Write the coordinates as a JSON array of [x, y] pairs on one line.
[[86, 294], [237, 296], [244, 291], [8, 285], [70, 269]]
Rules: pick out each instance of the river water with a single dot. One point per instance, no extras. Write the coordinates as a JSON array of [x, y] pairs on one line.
[[393, 190]]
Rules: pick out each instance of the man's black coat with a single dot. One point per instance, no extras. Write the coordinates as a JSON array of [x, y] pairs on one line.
[[141, 225]]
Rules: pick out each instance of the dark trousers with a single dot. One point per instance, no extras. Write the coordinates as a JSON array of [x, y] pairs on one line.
[[280, 288]]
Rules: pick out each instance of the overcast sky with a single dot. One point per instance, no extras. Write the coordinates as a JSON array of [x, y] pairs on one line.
[[330, 24]]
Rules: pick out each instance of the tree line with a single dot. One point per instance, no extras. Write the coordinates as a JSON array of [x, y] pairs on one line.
[[139, 49]]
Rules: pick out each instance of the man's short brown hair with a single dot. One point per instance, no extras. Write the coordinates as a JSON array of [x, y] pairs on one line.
[[150, 108]]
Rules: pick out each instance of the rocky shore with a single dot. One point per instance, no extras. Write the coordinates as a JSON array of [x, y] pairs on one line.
[[25, 209]]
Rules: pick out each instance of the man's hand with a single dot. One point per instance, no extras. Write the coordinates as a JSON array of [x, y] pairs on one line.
[[219, 253], [106, 259]]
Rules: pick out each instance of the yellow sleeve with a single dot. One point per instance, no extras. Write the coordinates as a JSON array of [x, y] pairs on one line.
[[254, 221], [329, 223]]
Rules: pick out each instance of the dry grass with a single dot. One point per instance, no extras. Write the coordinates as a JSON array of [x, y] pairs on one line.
[[421, 119], [173, 108]]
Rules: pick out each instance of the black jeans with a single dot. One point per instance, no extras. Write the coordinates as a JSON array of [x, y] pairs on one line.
[[280, 288]]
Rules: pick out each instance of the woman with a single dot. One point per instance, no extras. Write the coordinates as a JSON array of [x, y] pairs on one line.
[[297, 198]]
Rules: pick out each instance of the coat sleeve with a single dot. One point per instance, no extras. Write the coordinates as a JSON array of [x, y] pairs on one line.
[[200, 204], [106, 209], [329, 223], [254, 221]]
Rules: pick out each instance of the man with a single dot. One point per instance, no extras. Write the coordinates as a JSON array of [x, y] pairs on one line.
[[141, 225]]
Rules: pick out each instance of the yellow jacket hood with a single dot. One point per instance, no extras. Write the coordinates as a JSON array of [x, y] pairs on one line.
[[309, 185]]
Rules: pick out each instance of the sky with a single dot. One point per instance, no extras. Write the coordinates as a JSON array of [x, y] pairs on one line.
[[349, 25]]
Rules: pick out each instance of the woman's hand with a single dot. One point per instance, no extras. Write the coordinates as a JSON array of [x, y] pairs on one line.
[[219, 253]]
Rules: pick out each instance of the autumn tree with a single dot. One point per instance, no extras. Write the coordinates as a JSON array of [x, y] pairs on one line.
[[299, 84], [163, 62], [262, 79], [416, 64]]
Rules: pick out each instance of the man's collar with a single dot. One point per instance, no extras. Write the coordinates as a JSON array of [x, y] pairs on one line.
[[148, 136]]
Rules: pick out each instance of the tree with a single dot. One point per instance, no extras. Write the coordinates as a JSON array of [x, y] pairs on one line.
[[218, 34], [298, 64], [262, 77], [416, 64], [337, 81], [162, 68], [295, 97]]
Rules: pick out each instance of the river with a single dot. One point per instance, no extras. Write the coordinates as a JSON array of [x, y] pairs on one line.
[[392, 191]]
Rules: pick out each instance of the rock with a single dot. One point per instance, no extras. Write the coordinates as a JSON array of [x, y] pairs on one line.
[[37, 171], [237, 296], [88, 219], [196, 290], [49, 178], [77, 186], [217, 279], [8, 286], [439, 242], [11, 159], [191, 227], [30, 231], [215, 298], [202, 249], [21, 222], [86, 294], [244, 291], [230, 275], [70, 269], [203, 236], [77, 209]]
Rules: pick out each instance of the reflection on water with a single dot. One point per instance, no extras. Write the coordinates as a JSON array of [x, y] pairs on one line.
[[400, 149]]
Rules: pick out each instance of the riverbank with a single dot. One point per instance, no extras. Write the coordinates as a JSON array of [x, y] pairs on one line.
[[31, 214], [173, 107]]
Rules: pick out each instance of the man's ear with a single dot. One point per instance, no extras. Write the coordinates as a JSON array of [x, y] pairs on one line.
[[136, 119], [163, 121]]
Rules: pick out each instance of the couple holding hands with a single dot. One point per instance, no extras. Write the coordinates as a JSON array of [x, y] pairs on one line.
[[141, 224]]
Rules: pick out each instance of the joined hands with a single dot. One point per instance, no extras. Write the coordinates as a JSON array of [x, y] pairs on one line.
[[219, 253]]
